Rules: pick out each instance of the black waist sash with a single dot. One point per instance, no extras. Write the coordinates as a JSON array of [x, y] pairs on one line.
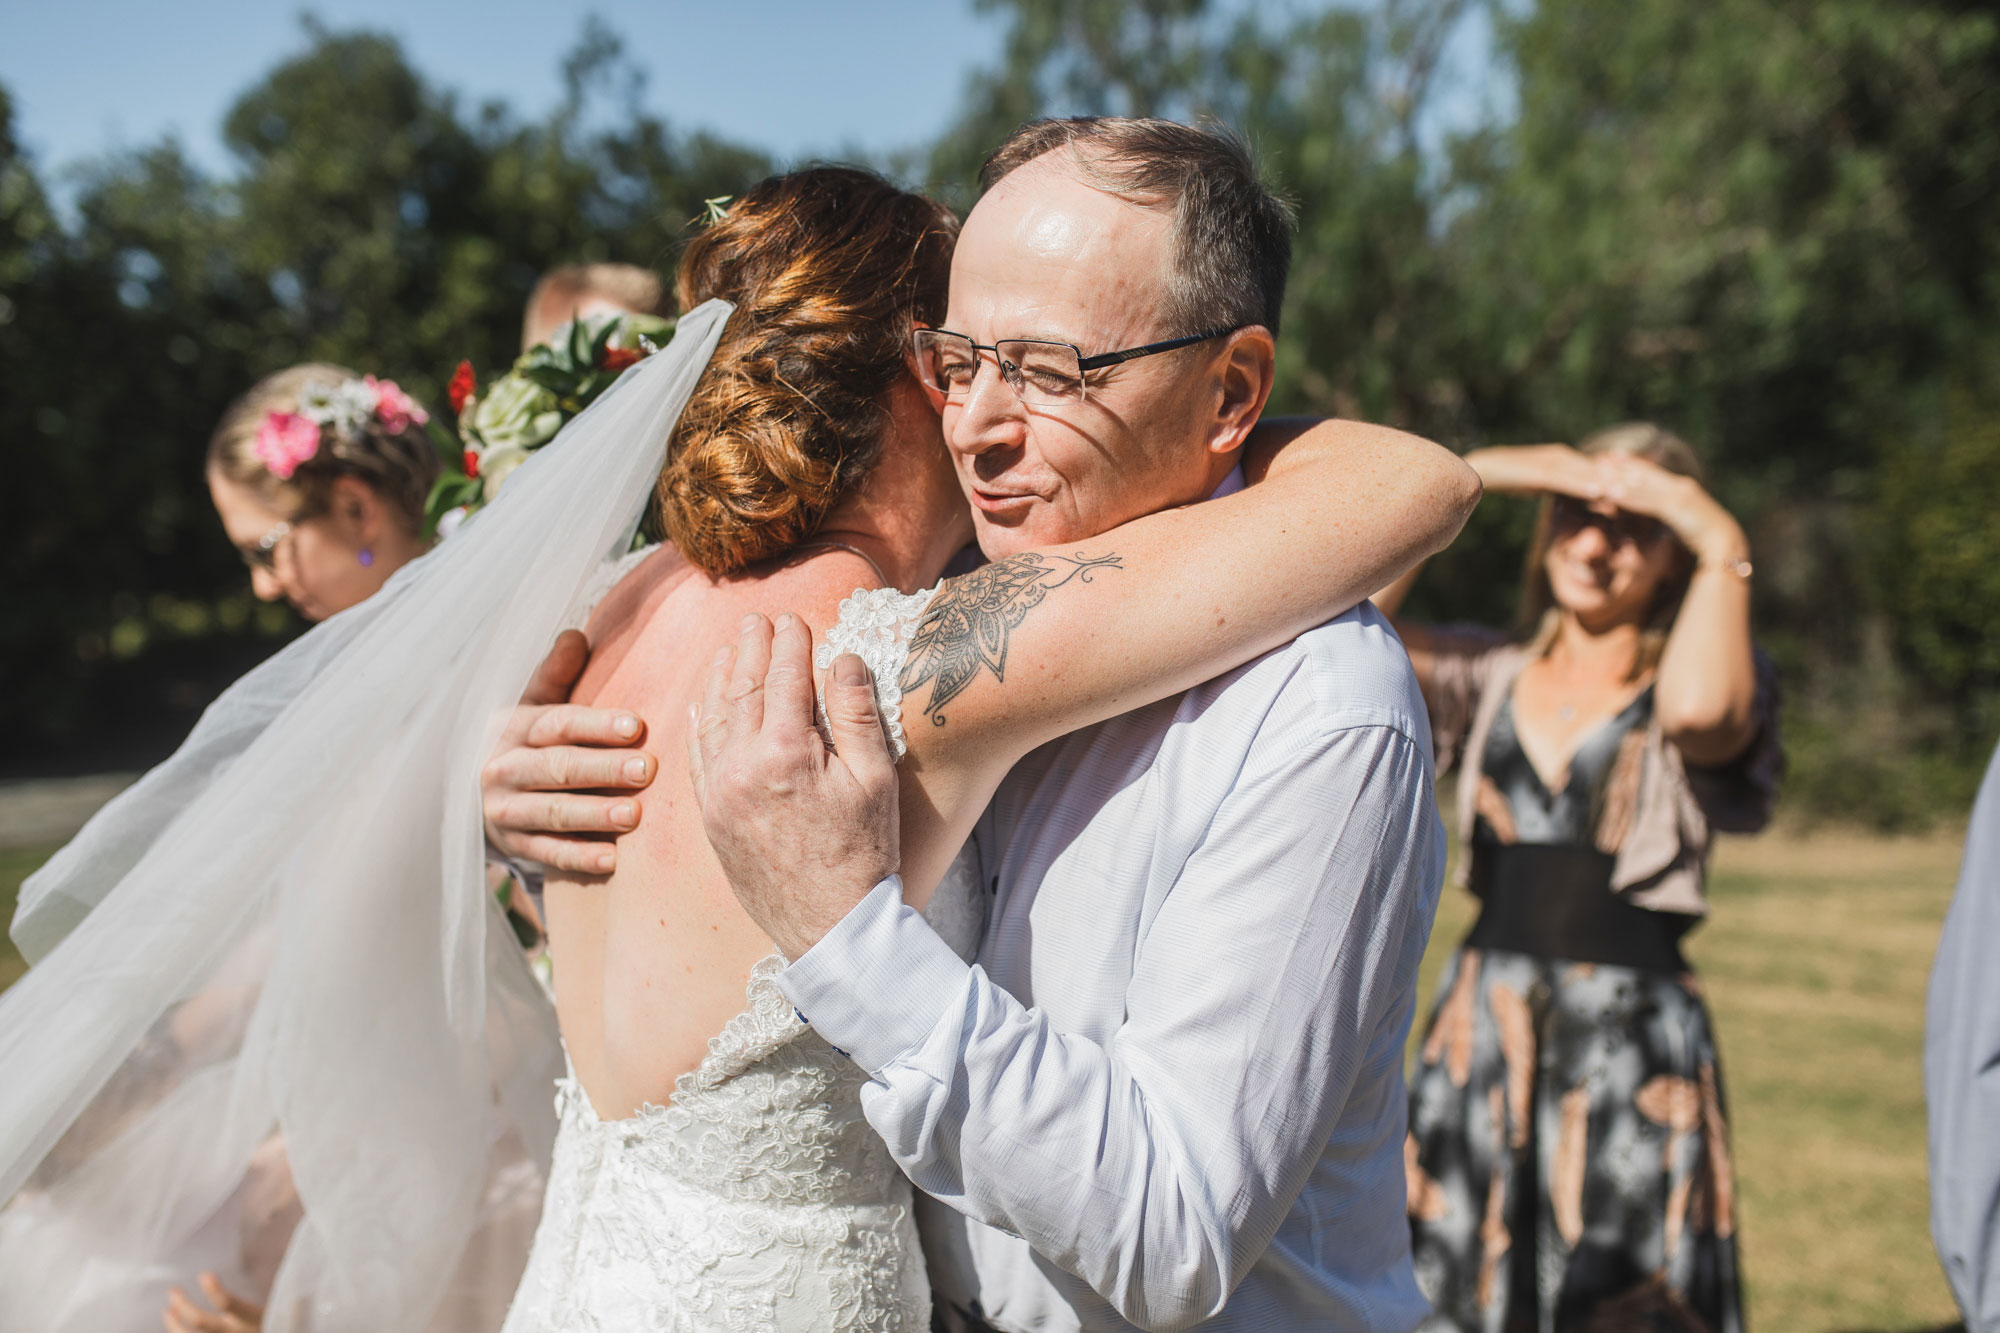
[[1556, 902]]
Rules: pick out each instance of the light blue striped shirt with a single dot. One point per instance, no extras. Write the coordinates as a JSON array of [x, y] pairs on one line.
[[1169, 1092]]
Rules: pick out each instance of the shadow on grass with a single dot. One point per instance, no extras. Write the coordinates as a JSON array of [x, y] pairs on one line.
[[1938, 1328]]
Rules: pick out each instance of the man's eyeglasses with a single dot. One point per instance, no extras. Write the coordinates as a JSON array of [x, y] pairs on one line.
[[263, 553], [1567, 514], [1041, 373]]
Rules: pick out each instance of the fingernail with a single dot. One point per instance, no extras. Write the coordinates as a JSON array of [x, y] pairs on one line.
[[749, 622], [635, 770], [785, 620], [848, 670], [624, 814], [626, 726], [605, 862], [722, 654]]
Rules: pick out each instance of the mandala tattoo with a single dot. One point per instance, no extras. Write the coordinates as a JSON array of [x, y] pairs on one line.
[[968, 623]]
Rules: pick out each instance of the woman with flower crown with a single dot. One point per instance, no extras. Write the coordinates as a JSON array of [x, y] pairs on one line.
[[320, 476]]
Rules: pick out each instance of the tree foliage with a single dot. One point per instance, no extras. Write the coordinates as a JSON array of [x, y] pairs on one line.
[[371, 220], [1764, 222]]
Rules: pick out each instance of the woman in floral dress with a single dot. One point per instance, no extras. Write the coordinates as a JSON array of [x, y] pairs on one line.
[[1568, 1157]]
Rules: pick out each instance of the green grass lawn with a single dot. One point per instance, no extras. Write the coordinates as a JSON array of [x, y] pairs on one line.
[[1814, 962]]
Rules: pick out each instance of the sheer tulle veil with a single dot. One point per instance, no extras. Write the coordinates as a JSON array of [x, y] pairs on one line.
[[279, 946]]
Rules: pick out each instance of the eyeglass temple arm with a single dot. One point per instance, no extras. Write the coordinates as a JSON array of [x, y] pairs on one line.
[[1134, 353]]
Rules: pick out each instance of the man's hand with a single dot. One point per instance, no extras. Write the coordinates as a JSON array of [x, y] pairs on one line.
[[553, 750], [803, 832]]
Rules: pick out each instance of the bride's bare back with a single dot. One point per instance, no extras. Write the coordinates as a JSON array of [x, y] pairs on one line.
[[652, 960]]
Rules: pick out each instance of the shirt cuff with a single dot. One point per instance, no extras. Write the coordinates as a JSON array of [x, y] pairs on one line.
[[878, 982]]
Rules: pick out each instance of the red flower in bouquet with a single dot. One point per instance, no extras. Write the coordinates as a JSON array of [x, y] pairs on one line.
[[472, 464], [462, 385], [617, 358]]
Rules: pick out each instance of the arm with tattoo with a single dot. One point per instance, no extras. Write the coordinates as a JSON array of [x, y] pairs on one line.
[[967, 626]]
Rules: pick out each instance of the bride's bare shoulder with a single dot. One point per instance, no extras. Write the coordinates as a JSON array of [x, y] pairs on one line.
[[668, 597]]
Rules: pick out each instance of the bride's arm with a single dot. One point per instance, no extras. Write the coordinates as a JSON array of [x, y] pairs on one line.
[[1041, 643]]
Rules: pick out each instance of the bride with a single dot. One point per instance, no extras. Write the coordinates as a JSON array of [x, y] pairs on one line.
[[317, 843]]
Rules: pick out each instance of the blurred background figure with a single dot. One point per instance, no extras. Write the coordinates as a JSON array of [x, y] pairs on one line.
[[1962, 1073], [1568, 1156], [578, 291], [320, 477]]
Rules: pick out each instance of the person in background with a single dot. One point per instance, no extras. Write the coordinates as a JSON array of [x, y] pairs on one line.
[[1962, 1073], [1568, 1156], [319, 476], [578, 291]]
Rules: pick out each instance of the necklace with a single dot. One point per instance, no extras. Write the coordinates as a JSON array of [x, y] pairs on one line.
[[829, 542]]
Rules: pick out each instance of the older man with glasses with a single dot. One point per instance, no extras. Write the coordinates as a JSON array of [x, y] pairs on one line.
[[1169, 1093]]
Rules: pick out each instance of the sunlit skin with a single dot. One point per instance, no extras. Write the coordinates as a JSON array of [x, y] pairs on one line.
[[1045, 255], [318, 566], [1604, 589]]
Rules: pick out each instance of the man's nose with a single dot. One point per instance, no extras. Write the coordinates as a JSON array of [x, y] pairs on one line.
[[989, 415], [265, 585]]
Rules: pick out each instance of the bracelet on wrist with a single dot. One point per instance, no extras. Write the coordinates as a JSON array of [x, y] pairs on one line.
[[1738, 565]]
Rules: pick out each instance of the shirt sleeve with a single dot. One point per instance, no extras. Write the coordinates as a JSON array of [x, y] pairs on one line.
[[1962, 1074], [1157, 1166]]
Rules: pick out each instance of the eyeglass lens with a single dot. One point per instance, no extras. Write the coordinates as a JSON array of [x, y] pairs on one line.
[[1046, 374]]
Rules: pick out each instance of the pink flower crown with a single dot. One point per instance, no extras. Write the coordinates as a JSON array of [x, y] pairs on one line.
[[287, 439]]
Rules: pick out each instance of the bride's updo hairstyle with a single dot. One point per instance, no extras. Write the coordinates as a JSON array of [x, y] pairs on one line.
[[827, 268], [388, 450]]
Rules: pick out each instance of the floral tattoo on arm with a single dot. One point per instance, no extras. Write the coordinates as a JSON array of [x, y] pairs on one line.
[[967, 626]]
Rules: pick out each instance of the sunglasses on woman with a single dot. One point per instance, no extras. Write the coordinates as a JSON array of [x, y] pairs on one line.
[[1569, 514]]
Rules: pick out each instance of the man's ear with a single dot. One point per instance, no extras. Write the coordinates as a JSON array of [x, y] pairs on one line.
[[1244, 373], [934, 396]]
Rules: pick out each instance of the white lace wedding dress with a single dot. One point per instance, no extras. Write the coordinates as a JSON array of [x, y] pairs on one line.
[[758, 1197]]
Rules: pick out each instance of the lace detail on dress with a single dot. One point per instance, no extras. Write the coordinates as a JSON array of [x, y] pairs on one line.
[[757, 1198], [875, 625]]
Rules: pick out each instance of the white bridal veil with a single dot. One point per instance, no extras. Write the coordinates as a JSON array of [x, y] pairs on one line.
[[278, 948]]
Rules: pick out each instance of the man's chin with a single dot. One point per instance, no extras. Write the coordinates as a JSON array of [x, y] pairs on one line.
[[999, 538]]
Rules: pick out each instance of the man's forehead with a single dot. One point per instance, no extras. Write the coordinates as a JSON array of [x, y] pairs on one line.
[[1044, 240]]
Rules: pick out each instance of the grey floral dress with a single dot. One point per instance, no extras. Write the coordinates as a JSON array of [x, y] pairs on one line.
[[1568, 1156]]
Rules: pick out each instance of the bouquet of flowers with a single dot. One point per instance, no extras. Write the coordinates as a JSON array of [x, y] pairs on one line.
[[523, 409]]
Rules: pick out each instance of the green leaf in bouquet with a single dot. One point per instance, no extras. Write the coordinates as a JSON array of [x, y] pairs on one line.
[[556, 379], [449, 492], [599, 343], [450, 448]]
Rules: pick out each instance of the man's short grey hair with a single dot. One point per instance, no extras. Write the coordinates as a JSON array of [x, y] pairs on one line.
[[1232, 235]]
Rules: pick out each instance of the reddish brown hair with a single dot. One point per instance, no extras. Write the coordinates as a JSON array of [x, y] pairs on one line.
[[827, 269]]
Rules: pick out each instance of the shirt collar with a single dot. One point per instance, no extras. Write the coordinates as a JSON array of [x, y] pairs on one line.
[[1230, 484]]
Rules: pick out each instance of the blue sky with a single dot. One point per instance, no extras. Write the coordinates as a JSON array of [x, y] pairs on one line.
[[798, 78]]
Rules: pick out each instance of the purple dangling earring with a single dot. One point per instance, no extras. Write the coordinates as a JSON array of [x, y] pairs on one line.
[[367, 557]]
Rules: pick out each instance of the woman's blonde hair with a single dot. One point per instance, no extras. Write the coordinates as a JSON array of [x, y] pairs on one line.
[[399, 467], [1538, 616]]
